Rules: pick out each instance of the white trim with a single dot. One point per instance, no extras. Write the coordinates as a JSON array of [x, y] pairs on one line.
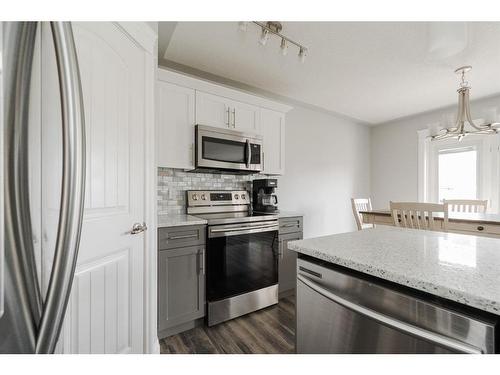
[[217, 89], [423, 163], [147, 40], [142, 34], [488, 147], [151, 343]]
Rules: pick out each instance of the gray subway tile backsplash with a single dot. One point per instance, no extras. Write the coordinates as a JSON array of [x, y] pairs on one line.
[[173, 183]]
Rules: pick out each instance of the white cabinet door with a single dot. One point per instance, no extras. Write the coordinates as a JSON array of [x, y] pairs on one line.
[[273, 131], [245, 117], [175, 125], [212, 110], [105, 311]]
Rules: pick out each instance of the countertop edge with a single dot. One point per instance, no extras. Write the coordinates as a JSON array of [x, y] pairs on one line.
[[179, 221], [458, 296]]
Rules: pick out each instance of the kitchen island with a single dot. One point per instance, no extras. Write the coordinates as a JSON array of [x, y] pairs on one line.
[[426, 283]]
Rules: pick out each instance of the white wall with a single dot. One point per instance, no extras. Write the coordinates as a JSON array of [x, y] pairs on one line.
[[327, 163], [394, 155]]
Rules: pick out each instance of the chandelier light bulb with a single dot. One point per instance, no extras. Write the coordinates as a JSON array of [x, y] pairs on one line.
[[284, 47], [264, 37]]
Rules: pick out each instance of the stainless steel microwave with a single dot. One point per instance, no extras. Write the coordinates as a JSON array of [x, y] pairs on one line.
[[218, 148]]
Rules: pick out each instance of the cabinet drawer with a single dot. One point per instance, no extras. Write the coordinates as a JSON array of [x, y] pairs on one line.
[[173, 237], [475, 228], [290, 225]]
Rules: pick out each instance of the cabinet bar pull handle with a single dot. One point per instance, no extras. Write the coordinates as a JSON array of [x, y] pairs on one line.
[[183, 237], [234, 117], [202, 261]]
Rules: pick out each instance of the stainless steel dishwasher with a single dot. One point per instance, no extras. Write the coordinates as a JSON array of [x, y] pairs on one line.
[[339, 312]]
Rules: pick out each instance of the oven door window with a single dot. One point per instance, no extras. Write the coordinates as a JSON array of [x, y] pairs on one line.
[[224, 150], [241, 264]]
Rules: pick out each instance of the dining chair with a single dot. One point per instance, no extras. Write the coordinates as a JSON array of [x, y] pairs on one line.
[[418, 215], [361, 204], [466, 205]]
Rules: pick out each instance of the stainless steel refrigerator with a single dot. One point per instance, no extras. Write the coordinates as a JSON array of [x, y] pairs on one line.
[[31, 320]]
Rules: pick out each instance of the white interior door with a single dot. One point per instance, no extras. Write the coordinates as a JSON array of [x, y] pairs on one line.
[[105, 313]]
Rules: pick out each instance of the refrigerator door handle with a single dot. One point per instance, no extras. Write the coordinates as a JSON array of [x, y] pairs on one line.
[[72, 191], [18, 44]]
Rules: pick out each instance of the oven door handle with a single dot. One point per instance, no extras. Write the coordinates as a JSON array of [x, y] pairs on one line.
[[248, 153], [221, 232]]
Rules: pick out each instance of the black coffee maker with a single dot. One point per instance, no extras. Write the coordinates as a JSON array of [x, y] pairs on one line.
[[264, 195]]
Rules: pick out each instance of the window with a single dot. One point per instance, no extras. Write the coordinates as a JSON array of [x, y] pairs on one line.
[[457, 174], [449, 169]]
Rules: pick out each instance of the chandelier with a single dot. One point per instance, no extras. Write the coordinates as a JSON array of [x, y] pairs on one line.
[[464, 116]]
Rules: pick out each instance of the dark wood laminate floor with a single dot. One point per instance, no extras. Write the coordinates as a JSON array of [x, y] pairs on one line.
[[270, 330]]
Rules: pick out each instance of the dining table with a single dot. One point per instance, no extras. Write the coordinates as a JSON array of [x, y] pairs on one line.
[[479, 224]]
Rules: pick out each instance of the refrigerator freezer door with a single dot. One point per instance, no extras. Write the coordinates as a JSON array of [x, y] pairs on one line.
[[22, 301]]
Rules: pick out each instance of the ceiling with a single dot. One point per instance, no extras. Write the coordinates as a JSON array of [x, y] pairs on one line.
[[370, 71]]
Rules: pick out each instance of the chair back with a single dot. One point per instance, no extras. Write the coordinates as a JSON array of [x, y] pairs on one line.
[[361, 204], [466, 205], [418, 215]]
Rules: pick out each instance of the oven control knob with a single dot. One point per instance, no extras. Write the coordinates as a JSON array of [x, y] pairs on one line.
[[195, 197], [236, 196], [203, 197], [243, 196]]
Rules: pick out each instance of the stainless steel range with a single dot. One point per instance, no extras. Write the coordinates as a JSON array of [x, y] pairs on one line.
[[241, 256]]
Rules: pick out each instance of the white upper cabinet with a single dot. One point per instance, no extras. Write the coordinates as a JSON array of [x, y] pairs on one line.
[[214, 110], [273, 131], [184, 101], [175, 131], [245, 117]]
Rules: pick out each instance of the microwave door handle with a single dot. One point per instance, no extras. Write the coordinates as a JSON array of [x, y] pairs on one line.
[[72, 188], [248, 154]]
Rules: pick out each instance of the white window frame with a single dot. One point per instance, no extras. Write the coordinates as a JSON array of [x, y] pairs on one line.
[[488, 158]]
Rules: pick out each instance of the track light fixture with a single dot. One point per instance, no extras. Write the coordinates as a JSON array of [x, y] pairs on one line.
[[274, 28]]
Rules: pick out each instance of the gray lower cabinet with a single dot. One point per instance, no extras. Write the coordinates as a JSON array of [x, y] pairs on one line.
[[290, 230], [181, 287]]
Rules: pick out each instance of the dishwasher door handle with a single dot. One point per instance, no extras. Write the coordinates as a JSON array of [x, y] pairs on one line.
[[390, 322]]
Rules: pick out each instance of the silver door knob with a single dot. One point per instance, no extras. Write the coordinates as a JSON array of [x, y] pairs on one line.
[[138, 228]]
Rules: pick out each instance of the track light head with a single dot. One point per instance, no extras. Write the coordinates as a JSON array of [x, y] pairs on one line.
[[264, 37], [302, 54], [284, 47]]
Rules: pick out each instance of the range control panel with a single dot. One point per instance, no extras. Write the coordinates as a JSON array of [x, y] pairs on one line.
[[217, 197]]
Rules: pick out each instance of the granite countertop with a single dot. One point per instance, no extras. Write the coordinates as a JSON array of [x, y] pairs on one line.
[[458, 267], [165, 221], [479, 218]]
